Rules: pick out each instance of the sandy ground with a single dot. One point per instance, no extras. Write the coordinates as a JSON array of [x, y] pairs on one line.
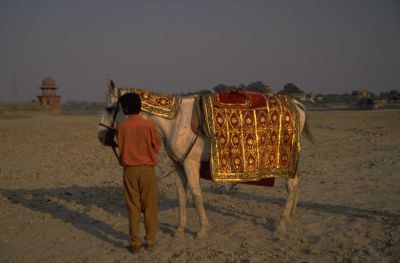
[[61, 198]]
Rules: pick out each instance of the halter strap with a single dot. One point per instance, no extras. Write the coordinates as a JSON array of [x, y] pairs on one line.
[[111, 127], [105, 126]]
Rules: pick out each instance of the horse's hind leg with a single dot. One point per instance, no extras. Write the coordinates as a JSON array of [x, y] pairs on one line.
[[292, 186], [181, 186], [192, 172], [296, 196]]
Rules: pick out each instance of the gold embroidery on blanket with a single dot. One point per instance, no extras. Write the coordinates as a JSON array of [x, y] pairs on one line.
[[158, 104], [252, 144]]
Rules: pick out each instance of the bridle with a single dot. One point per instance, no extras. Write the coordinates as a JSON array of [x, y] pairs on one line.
[[111, 130], [116, 110]]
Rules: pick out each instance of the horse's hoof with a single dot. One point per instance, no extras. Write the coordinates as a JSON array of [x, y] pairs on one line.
[[281, 227], [179, 234], [202, 234]]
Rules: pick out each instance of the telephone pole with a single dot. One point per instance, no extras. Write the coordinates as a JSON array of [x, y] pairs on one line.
[[15, 84]]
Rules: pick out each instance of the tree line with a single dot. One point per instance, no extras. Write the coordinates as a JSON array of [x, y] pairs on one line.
[[293, 90]]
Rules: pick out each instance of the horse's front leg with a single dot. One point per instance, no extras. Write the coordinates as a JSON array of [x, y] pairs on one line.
[[192, 169], [292, 186], [181, 186]]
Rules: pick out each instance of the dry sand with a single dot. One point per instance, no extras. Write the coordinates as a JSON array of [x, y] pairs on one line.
[[61, 198]]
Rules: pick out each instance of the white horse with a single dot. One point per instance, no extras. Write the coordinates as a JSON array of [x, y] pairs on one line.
[[178, 137]]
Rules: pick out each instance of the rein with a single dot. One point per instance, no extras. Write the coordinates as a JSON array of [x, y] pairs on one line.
[[182, 159], [188, 150]]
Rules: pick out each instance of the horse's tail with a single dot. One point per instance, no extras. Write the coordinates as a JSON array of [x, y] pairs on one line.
[[306, 129]]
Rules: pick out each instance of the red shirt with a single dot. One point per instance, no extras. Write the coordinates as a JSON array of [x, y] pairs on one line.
[[138, 141]]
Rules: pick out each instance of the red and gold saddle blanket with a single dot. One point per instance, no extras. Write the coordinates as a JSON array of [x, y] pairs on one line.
[[253, 136], [159, 104]]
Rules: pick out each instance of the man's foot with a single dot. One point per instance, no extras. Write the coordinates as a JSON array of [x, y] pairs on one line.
[[133, 249], [150, 247]]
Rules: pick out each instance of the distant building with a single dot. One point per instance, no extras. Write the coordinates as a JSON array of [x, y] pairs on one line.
[[49, 99], [300, 96], [360, 94], [310, 97]]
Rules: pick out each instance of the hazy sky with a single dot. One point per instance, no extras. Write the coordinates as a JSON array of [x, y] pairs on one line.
[[173, 46]]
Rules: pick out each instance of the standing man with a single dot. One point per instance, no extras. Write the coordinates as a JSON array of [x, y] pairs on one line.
[[139, 143]]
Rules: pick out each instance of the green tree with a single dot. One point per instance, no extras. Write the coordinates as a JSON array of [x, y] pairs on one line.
[[257, 86], [201, 92], [290, 88], [222, 88], [390, 95]]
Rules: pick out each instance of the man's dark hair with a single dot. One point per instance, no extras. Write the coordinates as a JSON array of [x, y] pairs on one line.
[[131, 103]]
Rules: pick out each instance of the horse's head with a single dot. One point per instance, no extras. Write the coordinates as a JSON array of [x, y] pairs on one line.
[[107, 125]]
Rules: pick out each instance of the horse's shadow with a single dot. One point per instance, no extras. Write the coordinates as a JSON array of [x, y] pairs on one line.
[[350, 212], [56, 202]]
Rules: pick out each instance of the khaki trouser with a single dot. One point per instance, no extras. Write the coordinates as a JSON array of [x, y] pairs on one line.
[[141, 189]]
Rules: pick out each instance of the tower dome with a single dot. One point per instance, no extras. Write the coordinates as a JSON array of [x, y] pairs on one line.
[[49, 82]]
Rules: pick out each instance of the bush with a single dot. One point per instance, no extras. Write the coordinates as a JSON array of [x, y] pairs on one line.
[[19, 106], [83, 106]]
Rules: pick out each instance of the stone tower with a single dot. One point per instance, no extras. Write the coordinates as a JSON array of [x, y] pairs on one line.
[[49, 99]]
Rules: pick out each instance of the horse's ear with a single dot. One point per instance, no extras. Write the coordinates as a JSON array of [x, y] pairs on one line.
[[110, 83]]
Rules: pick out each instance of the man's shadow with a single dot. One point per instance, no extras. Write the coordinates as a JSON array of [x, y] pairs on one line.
[[109, 198]]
